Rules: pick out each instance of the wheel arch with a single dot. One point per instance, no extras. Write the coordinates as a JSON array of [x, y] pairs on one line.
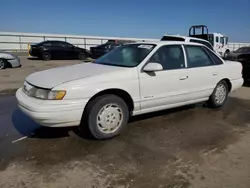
[[229, 84], [7, 63], [118, 92]]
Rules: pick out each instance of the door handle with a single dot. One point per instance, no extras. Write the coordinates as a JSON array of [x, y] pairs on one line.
[[183, 77], [215, 73]]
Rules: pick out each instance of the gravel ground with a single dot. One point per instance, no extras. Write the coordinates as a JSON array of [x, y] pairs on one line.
[[13, 78]]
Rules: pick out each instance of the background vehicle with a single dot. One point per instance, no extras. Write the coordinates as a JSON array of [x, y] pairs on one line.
[[57, 50], [187, 39], [130, 80], [9, 60], [100, 50], [218, 40], [242, 55]]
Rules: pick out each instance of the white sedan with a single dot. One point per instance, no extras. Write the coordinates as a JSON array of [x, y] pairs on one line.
[[130, 80]]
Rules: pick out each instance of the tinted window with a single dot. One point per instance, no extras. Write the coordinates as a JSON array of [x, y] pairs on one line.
[[56, 43], [129, 55], [217, 39], [211, 39], [197, 57], [215, 58], [222, 40], [46, 44], [207, 44], [170, 57], [67, 45], [170, 38]]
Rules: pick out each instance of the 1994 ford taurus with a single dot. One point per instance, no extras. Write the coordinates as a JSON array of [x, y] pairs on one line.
[[132, 79]]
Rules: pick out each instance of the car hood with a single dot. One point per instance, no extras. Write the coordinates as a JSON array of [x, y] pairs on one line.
[[56, 76], [6, 55]]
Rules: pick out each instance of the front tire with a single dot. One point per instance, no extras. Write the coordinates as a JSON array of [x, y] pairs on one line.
[[46, 56], [105, 116], [2, 64], [219, 95]]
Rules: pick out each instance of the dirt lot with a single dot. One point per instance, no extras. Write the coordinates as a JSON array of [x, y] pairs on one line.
[[188, 147], [14, 78]]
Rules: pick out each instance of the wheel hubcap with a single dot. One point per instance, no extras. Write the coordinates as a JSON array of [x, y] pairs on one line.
[[109, 118], [1, 64], [220, 94], [46, 56]]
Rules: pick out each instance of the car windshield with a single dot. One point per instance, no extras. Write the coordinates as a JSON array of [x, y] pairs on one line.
[[129, 55], [243, 49]]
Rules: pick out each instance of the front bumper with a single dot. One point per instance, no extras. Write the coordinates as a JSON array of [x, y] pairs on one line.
[[14, 62], [48, 113]]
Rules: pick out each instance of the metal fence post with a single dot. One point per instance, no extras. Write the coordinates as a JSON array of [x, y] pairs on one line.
[[20, 43]]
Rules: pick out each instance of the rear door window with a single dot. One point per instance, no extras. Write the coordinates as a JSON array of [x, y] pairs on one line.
[[207, 44], [197, 57], [215, 58]]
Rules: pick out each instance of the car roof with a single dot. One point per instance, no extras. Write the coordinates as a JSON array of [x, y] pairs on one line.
[[54, 41], [169, 43], [185, 37]]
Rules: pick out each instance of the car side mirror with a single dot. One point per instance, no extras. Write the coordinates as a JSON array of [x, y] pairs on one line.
[[152, 67]]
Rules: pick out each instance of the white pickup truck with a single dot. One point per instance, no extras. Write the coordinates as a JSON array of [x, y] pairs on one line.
[[133, 79]]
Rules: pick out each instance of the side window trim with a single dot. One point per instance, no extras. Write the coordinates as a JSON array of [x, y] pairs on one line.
[[185, 55], [202, 47]]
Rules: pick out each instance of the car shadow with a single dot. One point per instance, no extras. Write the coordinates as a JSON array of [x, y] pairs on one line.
[[27, 127], [33, 58]]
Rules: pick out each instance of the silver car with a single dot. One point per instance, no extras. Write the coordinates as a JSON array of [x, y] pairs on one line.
[[9, 60]]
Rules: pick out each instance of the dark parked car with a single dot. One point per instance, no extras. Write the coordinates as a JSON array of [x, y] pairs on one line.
[[57, 50], [102, 49], [242, 55]]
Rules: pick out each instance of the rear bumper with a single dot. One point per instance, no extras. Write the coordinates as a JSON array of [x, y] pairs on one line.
[[51, 113], [236, 84]]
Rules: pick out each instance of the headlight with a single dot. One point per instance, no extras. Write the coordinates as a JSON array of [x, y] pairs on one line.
[[45, 94], [49, 94]]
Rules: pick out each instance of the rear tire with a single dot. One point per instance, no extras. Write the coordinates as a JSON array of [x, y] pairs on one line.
[[105, 117], [219, 95], [81, 56], [46, 56], [2, 64]]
